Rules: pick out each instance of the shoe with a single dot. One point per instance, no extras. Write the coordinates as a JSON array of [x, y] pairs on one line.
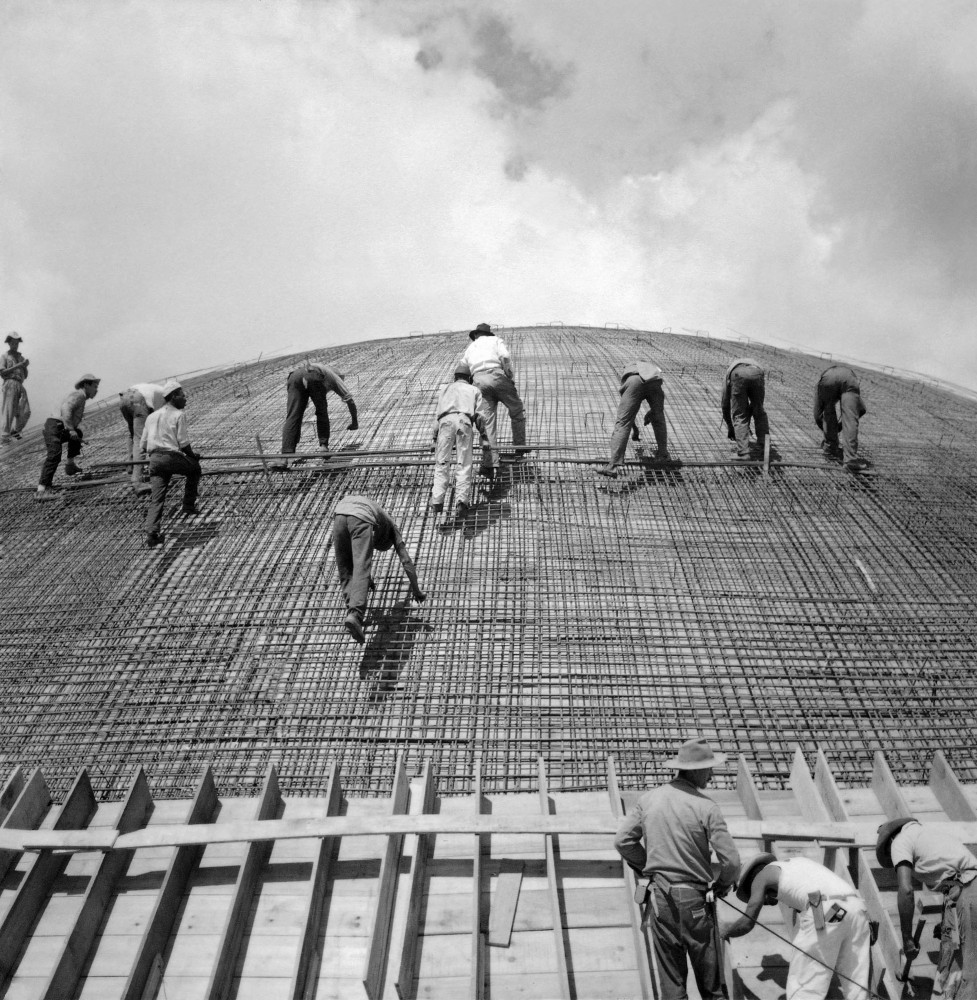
[[15, 435], [142, 489], [355, 627], [663, 456], [741, 458], [856, 465], [608, 470], [279, 467], [461, 510], [73, 470], [190, 511], [437, 508], [46, 493], [153, 539]]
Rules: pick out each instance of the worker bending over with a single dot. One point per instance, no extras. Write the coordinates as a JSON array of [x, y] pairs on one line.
[[166, 439], [679, 825], [361, 525], [65, 425], [491, 368], [640, 382], [313, 381], [458, 410], [839, 387], [944, 864], [743, 393], [830, 930], [136, 404]]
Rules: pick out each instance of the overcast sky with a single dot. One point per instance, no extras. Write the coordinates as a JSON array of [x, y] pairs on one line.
[[186, 184]]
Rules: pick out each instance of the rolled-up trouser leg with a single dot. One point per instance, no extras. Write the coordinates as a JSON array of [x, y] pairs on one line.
[[627, 409]]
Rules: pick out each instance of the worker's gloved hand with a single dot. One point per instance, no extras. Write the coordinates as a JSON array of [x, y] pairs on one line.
[[354, 425], [909, 948], [191, 454], [371, 585], [418, 595], [635, 436], [647, 419]]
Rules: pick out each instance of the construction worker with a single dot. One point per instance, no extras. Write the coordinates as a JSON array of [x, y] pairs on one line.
[[137, 402], [166, 439], [679, 825], [942, 863], [361, 525], [15, 411], [743, 392], [459, 408], [313, 381], [641, 381], [831, 928], [839, 386], [491, 368], [65, 425]]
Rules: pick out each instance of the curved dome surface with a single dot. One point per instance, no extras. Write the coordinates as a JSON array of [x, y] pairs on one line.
[[569, 617]]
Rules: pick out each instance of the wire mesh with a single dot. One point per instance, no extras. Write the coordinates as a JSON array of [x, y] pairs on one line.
[[569, 617]]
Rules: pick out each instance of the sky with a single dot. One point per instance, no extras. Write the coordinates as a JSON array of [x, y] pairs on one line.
[[191, 184]]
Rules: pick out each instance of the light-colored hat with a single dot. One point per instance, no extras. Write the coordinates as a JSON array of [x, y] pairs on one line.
[[751, 871], [694, 755], [169, 387], [86, 378], [887, 832], [11, 337]]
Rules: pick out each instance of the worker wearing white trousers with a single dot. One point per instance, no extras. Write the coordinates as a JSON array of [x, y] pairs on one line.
[[831, 929]]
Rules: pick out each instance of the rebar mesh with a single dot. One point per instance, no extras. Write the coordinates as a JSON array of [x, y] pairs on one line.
[[569, 617]]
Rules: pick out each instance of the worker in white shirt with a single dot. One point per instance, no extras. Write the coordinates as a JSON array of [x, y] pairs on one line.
[[166, 440], [137, 402], [491, 368], [458, 410]]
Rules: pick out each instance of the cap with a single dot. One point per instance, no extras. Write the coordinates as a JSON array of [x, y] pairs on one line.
[[462, 369], [169, 387], [887, 831], [751, 871], [86, 378], [694, 755], [482, 330]]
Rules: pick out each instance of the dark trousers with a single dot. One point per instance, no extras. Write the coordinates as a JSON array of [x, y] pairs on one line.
[[300, 391], [55, 436], [684, 927], [163, 466], [746, 391], [634, 391], [352, 541], [840, 386]]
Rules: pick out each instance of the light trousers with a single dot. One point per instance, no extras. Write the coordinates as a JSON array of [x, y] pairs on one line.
[[454, 431], [496, 387]]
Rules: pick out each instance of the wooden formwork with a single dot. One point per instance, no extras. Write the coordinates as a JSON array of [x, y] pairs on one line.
[[409, 895]]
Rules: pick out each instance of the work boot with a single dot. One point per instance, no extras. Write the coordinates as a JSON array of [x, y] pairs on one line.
[[355, 627], [856, 465], [741, 457], [46, 493], [461, 510], [608, 470], [663, 456], [154, 538], [72, 469], [142, 489], [437, 507], [190, 511]]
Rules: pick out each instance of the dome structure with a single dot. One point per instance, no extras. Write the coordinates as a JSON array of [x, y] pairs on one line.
[[569, 617]]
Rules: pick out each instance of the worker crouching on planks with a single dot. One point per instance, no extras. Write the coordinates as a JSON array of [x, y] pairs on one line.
[[831, 930], [361, 525], [458, 411], [679, 825]]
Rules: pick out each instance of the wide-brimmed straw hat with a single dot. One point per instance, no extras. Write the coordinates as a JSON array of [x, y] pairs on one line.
[[86, 378], [11, 337], [693, 755], [887, 831]]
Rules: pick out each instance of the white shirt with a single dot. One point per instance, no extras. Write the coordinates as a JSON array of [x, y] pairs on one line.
[[165, 430], [488, 354], [935, 856], [152, 393], [459, 397], [799, 877]]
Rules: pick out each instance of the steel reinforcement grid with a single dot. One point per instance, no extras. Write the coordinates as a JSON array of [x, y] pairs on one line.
[[569, 616]]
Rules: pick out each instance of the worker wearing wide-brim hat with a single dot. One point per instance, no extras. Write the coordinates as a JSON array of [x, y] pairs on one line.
[[679, 827], [64, 424], [943, 863], [15, 411], [830, 928]]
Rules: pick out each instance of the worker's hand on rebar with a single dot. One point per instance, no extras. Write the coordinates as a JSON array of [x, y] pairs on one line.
[[418, 595]]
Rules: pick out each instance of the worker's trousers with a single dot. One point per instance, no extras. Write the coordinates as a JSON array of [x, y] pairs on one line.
[[966, 906], [841, 387], [163, 466], [496, 387], [454, 431], [352, 542], [683, 927], [634, 391], [842, 946], [746, 391], [300, 391], [134, 411], [55, 436], [14, 411]]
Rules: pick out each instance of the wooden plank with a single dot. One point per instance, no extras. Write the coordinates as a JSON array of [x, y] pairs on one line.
[[375, 968], [476, 981], [886, 790], [147, 966], [423, 844], [647, 968], [887, 949], [553, 888], [504, 902], [78, 809], [64, 979], [308, 959], [25, 812], [269, 806], [949, 792], [10, 792]]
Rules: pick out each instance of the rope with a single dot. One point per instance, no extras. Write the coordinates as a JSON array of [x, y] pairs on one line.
[[868, 991]]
